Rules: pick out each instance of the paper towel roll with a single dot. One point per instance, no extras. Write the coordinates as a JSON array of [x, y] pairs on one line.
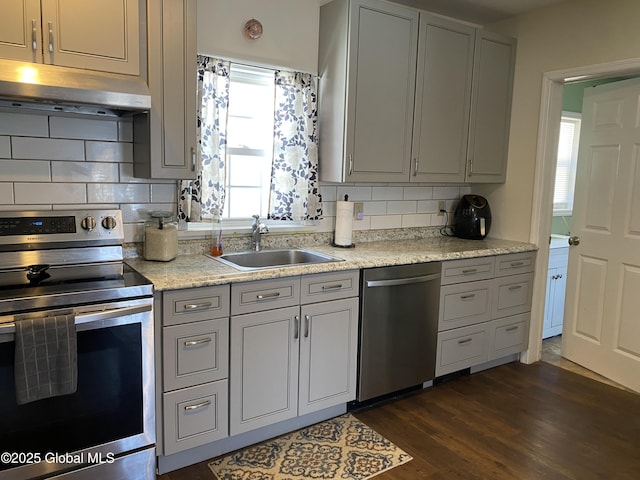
[[344, 223]]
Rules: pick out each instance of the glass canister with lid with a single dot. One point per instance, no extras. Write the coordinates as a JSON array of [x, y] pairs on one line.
[[160, 237]]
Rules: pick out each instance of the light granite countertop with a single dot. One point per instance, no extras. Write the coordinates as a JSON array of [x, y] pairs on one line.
[[187, 271]]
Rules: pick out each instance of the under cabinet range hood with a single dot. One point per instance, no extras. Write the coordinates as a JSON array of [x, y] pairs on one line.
[[50, 87]]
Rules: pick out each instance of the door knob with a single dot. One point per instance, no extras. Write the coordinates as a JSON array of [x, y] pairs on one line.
[[574, 241]]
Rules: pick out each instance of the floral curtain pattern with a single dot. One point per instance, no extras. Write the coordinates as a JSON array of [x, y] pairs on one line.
[[295, 194], [200, 197]]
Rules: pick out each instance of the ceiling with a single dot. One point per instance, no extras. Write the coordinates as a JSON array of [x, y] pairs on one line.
[[478, 11]]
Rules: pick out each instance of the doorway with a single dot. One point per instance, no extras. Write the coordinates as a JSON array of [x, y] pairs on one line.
[[542, 214]]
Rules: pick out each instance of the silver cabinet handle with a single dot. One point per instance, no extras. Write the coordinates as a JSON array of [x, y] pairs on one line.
[[266, 296], [574, 241], [34, 36], [465, 341], [190, 408], [193, 159], [415, 167], [468, 296], [296, 327], [199, 341], [307, 321], [350, 164], [337, 286], [470, 167], [512, 329], [515, 287], [517, 264], [197, 306], [468, 271], [403, 281], [50, 37]]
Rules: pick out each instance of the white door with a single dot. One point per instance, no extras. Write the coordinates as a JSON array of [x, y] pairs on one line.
[[602, 330]]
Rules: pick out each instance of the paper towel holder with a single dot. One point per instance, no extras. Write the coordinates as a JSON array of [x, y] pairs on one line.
[[333, 243]]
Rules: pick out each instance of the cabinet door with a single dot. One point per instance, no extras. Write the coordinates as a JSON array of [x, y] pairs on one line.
[[264, 368], [443, 96], [380, 92], [166, 144], [20, 36], [494, 62], [101, 36], [328, 354]]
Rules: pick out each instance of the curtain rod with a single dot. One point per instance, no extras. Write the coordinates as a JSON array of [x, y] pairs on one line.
[[258, 64]]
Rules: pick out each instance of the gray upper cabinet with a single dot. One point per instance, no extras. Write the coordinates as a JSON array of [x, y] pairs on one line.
[[367, 65], [406, 96], [165, 139], [443, 99], [494, 63]]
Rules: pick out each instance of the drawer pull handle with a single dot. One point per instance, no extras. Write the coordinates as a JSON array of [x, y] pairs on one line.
[[467, 297], [515, 287], [512, 329], [464, 341], [197, 306], [199, 341], [337, 286], [191, 408], [516, 264], [266, 296], [468, 271], [296, 327], [307, 321]]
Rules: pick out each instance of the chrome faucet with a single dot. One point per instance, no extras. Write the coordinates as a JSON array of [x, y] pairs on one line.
[[257, 229]]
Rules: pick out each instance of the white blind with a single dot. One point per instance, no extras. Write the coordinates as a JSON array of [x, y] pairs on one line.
[[566, 164]]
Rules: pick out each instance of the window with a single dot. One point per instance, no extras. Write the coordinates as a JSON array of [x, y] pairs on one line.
[[566, 163], [249, 141]]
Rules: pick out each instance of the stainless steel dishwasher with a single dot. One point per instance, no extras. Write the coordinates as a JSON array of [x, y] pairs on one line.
[[399, 328]]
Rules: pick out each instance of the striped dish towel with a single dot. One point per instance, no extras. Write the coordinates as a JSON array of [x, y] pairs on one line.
[[46, 362]]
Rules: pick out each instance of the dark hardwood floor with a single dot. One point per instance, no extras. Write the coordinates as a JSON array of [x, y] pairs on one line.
[[511, 422]]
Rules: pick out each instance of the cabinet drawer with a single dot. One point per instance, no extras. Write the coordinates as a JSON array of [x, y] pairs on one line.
[[514, 263], [328, 286], [513, 295], [194, 304], [509, 335], [264, 295], [462, 348], [195, 353], [464, 304], [467, 270], [195, 416]]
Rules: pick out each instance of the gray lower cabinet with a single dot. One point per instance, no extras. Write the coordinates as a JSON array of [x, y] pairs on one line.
[[485, 306], [195, 368], [295, 359]]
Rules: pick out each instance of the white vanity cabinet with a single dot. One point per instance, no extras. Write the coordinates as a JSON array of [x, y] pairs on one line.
[[293, 347], [556, 291], [195, 368], [104, 36], [485, 306]]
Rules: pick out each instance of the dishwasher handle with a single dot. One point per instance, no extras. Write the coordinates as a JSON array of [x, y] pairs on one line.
[[402, 281]]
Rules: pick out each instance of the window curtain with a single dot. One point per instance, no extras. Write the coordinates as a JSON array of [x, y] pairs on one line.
[[201, 197], [295, 193]]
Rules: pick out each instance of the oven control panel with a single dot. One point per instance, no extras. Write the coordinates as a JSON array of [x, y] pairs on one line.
[[61, 226]]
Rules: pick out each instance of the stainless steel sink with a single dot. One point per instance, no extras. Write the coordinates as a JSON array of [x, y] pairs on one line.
[[274, 258]]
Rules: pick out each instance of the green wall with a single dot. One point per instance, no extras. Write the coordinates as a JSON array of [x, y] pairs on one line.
[[574, 92]]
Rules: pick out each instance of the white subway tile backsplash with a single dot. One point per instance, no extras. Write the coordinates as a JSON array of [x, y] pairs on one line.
[[125, 130], [140, 212], [164, 193], [118, 193], [417, 220], [364, 224], [83, 128], [84, 172], [386, 222], [50, 193], [375, 208], [24, 124], [5, 147], [109, 152], [428, 206], [417, 193], [442, 193], [401, 207], [356, 194], [25, 170], [6, 194], [387, 193], [47, 148], [329, 209], [328, 192]]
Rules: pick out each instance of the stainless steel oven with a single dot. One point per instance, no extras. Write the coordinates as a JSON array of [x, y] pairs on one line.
[[70, 263]]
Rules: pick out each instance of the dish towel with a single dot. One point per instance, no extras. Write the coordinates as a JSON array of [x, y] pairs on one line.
[[46, 357]]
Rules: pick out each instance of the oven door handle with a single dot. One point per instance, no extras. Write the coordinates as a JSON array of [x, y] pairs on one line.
[[90, 317]]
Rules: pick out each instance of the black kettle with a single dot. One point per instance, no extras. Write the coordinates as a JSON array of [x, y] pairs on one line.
[[472, 217]]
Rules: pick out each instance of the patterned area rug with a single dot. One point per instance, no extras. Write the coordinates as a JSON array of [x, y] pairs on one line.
[[340, 448]]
